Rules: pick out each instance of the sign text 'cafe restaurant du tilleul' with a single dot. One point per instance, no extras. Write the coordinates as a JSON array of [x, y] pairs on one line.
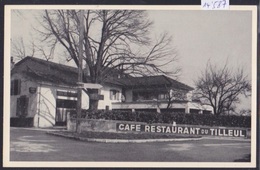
[[227, 132]]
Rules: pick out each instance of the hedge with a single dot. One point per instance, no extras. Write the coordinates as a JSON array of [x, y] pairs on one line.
[[169, 117], [21, 122]]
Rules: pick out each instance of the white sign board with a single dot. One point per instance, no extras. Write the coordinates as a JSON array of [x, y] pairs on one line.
[[84, 101], [90, 85]]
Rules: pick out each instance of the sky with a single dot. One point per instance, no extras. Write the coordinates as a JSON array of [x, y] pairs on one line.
[[198, 37]]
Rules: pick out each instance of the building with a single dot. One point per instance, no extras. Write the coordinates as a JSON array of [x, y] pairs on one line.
[[43, 92]]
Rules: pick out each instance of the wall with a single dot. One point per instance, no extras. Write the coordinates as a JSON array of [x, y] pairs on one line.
[[129, 95], [45, 116], [42, 104], [111, 126], [32, 105], [96, 125], [105, 90]]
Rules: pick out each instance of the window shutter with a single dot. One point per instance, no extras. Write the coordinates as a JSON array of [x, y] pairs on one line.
[[16, 87], [12, 87], [22, 106], [117, 95], [19, 87], [25, 113], [111, 94], [18, 107]]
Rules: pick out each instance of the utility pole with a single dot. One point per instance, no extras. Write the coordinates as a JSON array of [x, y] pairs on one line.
[[79, 94]]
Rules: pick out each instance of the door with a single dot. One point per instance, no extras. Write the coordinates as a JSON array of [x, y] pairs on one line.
[[22, 106], [63, 107]]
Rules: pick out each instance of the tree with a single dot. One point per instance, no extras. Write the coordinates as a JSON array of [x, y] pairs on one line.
[[113, 40], [20, 50], [245, 112], [26, 46], [222, 87], [169, 95], [174, 95]]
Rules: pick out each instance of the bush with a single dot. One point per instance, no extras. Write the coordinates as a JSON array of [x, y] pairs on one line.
[[21, 122], [169, 117]]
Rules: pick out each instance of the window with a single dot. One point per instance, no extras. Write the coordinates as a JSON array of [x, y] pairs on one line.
[[15, 87], [178, 95], [144, 96], [69, 104], [67, 93], [163, 96], [114, 95]]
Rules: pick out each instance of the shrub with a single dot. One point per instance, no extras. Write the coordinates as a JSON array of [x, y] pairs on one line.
[[21, 122], [169, 117]]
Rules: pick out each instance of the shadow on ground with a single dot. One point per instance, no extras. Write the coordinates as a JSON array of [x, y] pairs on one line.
[[247, 158]]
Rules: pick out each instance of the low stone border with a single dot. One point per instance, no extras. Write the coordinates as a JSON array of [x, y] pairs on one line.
[[120, 140], [227, 138], [102, 125]]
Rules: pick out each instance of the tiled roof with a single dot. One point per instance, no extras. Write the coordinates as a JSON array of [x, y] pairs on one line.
[[160, 80], [46, 71]]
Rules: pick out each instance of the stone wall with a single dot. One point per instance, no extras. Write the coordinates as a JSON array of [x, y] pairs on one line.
[[99, 125]]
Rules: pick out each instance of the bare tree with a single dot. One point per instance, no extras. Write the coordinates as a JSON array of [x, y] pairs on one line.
[[174, 95], [222, 87], [20, 49], [169, 95], [113, 40]]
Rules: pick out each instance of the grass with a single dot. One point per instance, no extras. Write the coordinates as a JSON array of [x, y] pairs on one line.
[[110, 135]]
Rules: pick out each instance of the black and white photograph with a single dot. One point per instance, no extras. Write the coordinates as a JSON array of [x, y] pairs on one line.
[[130, 86]]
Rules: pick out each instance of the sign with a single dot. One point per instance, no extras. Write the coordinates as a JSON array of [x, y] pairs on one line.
[[226, 132], [90, 85], [32, 90], [96, 97]]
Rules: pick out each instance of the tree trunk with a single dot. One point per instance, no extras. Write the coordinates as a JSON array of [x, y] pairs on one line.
[[214, 110], [93, 99]]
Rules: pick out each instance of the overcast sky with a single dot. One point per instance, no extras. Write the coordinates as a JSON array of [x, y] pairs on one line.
[[198, 36]]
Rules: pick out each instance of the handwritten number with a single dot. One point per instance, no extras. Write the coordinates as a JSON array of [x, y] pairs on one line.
[[214, 6], [217, 4], [224, 3], [206, 5]]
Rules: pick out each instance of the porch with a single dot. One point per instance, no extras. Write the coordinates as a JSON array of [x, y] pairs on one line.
[[178, 106]]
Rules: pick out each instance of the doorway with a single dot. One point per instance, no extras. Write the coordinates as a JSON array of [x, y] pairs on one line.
[[63, 107]]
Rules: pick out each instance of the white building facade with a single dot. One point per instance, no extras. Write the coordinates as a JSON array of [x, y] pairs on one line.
[[43, 93]]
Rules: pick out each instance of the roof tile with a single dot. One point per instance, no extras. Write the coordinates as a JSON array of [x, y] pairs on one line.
[[42, 70]]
